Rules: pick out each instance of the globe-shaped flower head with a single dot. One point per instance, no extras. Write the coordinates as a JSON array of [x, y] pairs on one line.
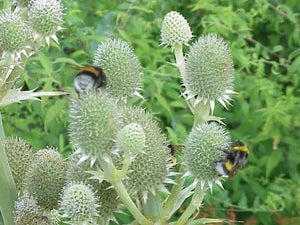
[[14, 34], [203, 149], [46, 18], [122, 68], [79, 203], [209, 71], [175, 30]]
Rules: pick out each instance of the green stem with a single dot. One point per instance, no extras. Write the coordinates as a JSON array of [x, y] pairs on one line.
[[114, 176], [171, 200], [201, 113], [194, 205], [8, 191]]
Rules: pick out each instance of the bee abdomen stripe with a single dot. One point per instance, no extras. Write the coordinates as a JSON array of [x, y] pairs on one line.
[[241, 148], [90, 69]]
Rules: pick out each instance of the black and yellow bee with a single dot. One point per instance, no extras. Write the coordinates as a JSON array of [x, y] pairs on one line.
[[235, 158], [89, 77]]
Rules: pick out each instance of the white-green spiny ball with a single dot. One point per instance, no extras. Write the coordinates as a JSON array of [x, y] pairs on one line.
[[209, 68], [175, 30], [93, 124], [23, 3], [131, 138], [150, 167], [203, 148], [121, 66], [107, 198], [45, 16], [27, 211], [79, 203], [14, 32], [20, 155], [46, 177]]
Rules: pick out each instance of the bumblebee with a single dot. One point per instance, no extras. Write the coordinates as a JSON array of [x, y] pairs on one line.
[[89, 77], [234, 160]]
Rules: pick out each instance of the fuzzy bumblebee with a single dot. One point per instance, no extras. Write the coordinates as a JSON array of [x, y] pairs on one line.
[[234, 160], [89, 77]]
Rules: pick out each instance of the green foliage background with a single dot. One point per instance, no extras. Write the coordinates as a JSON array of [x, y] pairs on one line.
[[265, 44]]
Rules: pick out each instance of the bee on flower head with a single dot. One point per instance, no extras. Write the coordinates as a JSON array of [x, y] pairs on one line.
[[235, 158], [89, 77]]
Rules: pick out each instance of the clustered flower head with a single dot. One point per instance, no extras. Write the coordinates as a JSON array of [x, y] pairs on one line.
[[79, 203], [209, 71], [46, 177], [121, 67], [131, 138], [46, 18], [175, 30], [20, 156], [14, 34], [203, 149]]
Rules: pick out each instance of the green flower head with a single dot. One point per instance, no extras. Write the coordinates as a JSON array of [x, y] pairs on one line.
[[203, 149], [121, 66], [175, 30], [14, 34], [209, 71]]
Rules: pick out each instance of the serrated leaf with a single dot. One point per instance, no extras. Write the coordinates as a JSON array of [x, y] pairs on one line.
[[16, 96]]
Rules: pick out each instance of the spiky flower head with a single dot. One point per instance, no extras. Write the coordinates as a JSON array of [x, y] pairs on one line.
[[79, 203], [149, 169], [93, 124], [23, 3], [14, 34], [107, 198], [46, 18], [54, 217], [203, 149], [20, 155], [27, 211], [175, 30], [121, 66], [131, 138], [46, 177], [209, 70]]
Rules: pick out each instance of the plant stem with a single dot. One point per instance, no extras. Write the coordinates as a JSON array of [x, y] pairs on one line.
[[170, 201], [194, 205], [113, 176], [8, 191]]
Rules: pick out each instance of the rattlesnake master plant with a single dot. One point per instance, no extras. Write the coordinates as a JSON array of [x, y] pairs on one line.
[[14, 34], [46, 18], [79, 203], [203, 149], [20, 156], [209, 71], [175, 30], [93, 124], [46, 177], [121, 66]]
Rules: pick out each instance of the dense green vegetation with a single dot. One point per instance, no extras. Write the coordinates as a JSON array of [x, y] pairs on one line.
[[265, 45]]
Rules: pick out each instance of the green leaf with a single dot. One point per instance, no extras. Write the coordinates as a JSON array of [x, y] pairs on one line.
[[273, 161]]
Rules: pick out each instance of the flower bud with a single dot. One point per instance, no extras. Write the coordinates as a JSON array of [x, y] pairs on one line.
[[203, 149], [209, 70], [121, 66], [175, 30], [131, 138]]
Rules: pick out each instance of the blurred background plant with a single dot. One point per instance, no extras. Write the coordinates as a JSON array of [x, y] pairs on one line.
[[265, 45]]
